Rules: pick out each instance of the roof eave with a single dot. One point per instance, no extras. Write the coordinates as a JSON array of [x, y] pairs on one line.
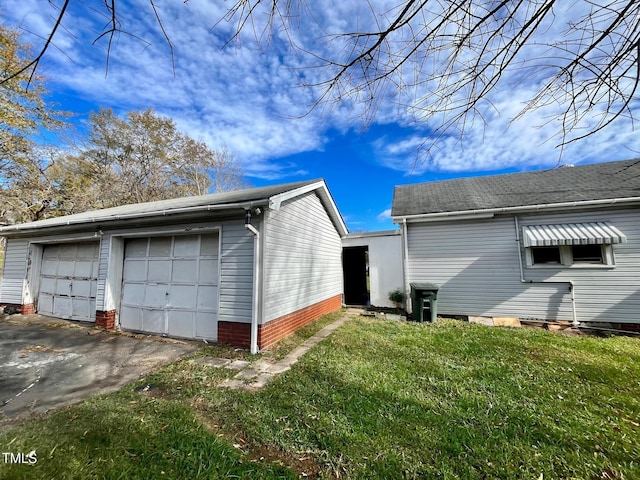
[[325, 196], [20, 229], [490, 212]]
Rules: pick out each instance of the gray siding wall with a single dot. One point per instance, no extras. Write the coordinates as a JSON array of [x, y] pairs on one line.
[[477, 266], [14, 272], [236, 273], [302, 257]]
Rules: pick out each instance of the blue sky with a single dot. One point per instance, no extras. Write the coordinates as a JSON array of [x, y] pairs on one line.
[[248, 98]]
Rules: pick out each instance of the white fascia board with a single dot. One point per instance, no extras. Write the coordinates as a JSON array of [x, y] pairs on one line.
[[276, 200], [380, 233], [325, 196], [490, 212]]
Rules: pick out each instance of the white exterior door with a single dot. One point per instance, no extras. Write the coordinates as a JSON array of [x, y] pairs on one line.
[[170, 285], [68, 281]]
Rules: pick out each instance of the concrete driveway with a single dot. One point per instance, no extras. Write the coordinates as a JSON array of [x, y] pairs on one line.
[[46, 363]]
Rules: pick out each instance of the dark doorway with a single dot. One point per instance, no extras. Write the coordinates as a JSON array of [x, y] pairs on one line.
[[355, 265]]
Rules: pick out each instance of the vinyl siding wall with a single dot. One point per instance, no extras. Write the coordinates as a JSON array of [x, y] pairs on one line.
[[236, 273], [477, 266], [302, 257], [15, 271]]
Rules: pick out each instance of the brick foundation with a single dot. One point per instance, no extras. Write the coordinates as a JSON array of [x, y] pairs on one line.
[[239, 334], [630, 327], [26, 309], [235, 333], [275, 330], [106, 320]]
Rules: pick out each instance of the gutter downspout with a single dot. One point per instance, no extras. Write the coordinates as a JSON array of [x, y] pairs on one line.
[[405, 252], [256, 281], [575, 322]]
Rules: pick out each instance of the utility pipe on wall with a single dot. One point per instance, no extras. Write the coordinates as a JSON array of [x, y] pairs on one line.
[[522, 279], [256, 281]]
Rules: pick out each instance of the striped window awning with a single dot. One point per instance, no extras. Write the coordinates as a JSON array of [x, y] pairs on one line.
[[593, 233]]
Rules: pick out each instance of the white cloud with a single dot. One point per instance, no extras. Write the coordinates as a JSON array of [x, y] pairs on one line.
[[384, 215], [250, 100]]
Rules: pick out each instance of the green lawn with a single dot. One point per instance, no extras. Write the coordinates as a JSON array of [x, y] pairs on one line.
[[377, 399]]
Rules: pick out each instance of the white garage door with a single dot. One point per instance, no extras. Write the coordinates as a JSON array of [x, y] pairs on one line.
[[68, 281], [170, 286]]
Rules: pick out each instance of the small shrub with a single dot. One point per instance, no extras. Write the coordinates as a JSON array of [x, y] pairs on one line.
[[397, 296]]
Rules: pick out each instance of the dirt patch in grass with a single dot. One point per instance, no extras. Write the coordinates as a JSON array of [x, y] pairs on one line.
[[304, 465]]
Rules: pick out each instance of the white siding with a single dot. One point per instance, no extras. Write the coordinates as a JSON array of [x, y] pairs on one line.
[[236, 273], [476, 265], [14, 272], [302, 257]]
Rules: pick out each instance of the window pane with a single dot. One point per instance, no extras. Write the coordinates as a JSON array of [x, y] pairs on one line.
[[545, 255], [587, 253]]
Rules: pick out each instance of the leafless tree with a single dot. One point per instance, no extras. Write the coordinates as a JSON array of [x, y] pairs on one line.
[[442, 60]]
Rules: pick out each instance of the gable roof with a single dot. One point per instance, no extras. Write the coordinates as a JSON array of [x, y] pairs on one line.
[[236, 199], [583, 184]]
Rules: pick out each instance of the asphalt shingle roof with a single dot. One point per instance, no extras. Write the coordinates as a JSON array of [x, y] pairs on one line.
[[106, 214], [599, 181]]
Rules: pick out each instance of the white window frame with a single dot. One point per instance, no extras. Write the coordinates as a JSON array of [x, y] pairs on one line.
[[566, 258]]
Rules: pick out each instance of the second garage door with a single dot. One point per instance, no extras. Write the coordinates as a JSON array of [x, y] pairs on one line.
[[170, 286], [68, 281]]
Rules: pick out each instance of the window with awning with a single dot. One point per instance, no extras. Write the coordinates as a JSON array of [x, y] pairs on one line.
[[592, 233], [571, 244]]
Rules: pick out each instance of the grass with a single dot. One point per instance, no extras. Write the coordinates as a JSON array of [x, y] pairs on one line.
[[377, 399]]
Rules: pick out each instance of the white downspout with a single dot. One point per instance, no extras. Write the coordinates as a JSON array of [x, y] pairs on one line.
[[405, 271], [572, 288], [256, 282]]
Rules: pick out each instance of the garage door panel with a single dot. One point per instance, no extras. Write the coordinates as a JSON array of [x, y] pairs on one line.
[[49, 267], [83, 268], [186, 246], [155, 296], [66, 268], [133, 317], [160, 247], [159, 271], [153, 321], [81, 288], [45, 303], [133, 294], [62, 307], [182, 296], [208, 272], [207, 325], [207, 298], [47, 285], [135, 270], [209, 245], [80, 308], [85, 251], [181, 324], [184, 271]]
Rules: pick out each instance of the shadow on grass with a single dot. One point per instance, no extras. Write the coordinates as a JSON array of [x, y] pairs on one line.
[[461, 412], [127, 435]]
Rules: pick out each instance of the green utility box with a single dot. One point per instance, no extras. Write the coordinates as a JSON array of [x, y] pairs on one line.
[[424, 296]]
